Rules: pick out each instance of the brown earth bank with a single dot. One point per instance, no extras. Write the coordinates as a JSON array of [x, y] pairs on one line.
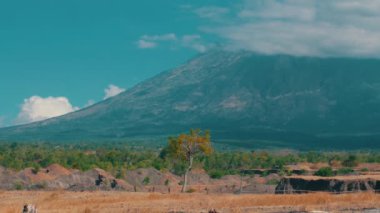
[[337, 184], [116, 201]]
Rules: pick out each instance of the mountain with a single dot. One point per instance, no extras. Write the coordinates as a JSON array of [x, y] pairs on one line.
[[242, 97]]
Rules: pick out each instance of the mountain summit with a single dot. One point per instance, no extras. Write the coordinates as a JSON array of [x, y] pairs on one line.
[[239, 96]]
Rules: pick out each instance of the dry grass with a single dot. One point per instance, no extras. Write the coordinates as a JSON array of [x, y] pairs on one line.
[[62, 201]]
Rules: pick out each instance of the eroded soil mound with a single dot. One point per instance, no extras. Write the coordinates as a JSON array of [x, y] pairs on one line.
[[339, 184]]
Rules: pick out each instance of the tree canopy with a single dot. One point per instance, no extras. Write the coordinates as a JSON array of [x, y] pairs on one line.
[[188, 146]]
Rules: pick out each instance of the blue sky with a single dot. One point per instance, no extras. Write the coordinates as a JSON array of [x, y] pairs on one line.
[[59, 56], [75, 49]]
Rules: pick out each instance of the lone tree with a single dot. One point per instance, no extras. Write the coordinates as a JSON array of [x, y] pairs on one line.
[[188, 146]]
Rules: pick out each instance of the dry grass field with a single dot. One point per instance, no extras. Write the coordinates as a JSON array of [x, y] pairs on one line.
[[112, 202]]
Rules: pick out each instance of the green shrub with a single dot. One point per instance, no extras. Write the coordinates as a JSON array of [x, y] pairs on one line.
[[364, 170], [178, 168], [158, 164], [352, 161], [265, 173], [120, 173], [273, 182], [167, 182], [146, 181], [302, 172], [18, 185], [345, 171], [36, 168], [216, 174], [325, 172], [284, 172]]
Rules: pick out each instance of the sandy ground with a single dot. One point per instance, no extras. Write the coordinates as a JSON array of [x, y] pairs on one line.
[[113, 202]]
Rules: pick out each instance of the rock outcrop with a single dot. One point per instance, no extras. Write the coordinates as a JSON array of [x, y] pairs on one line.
[[339, 184]]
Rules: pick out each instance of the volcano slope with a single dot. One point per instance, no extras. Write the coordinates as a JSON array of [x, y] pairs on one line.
[[245, 99]]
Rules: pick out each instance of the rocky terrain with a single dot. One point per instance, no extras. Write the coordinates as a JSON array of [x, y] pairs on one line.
[[56, 177]]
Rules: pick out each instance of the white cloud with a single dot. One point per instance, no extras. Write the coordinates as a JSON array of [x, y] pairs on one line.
[[363, 6], [143, 44], [190, 38], [193, 42], [37, 108], [151, 41], [112, 90], [307, 28], [89, 103], [211, 12], [290, 10], [164, 37], [198, 47], [188, 41]]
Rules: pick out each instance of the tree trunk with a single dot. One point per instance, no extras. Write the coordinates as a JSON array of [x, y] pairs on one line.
[[186, 173]]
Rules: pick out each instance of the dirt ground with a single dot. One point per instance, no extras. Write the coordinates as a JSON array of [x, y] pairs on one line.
[[113, 202]]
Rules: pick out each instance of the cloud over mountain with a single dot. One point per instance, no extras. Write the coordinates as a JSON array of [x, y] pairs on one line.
[[112, 90], [37, 108], [303, 28]]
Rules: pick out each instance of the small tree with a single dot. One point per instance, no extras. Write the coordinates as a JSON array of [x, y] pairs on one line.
[[188, 146], [324, 172], [36, 168], [352, 161]]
